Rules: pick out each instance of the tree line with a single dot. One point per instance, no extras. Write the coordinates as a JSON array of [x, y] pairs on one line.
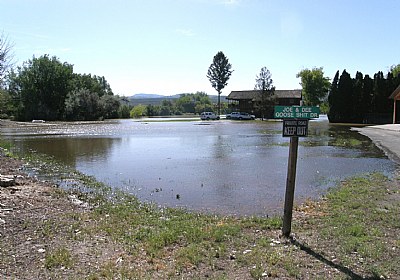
[[362, 99], [45, 88], [187, 103]]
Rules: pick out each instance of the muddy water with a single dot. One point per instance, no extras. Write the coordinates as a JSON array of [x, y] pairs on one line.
[[222, 166]]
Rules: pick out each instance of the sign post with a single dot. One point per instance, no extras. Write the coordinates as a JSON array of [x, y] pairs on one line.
[[295, 125], [290, 185]]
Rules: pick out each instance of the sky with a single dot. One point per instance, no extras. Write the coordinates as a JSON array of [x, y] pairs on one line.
[[166, 46]]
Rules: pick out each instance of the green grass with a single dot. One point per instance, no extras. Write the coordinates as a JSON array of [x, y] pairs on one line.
[[344, 142], [357, 227], [6, 148], [60, 257]]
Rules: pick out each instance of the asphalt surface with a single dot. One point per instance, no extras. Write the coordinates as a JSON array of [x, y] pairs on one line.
[[386, 137]]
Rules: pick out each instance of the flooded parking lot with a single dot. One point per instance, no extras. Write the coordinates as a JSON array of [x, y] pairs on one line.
[[227, 167]]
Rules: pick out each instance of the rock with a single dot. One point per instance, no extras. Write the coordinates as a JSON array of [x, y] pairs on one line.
[[7, 180], [77, 201]]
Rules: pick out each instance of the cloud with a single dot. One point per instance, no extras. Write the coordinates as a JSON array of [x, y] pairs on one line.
[[185, 32], [230, 2]]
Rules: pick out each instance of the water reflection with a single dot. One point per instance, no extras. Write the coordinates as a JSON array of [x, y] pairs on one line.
[[68, 150], [221, 166]]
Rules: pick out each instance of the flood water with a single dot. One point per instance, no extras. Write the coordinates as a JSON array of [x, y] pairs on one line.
[[225, 167]]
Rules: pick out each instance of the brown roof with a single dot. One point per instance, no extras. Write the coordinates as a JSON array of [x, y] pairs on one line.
[[253, 94], [395, 93]]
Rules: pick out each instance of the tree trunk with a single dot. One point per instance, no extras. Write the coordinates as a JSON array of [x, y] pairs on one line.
[[219, 102]]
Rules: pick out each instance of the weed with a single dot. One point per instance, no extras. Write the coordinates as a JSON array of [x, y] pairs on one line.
[[225, 232], [257, 271], [190, 255], [352, 220], [262, 223], [264, 242], [48, 228], [6, 148], [60, 257], [344, 142]]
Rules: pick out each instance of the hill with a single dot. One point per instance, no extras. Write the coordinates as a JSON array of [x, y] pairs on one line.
[[156, 99]]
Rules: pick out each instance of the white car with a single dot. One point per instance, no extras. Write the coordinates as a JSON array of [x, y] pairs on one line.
[[240, 116], [208, 116]]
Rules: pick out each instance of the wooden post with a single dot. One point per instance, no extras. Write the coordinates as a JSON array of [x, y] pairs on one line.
[[290, 185]]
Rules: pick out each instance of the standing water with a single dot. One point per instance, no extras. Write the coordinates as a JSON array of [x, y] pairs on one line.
[[226, 167]]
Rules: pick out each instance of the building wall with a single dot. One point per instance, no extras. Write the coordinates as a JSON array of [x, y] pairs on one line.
[[246, 105], [289, 101]]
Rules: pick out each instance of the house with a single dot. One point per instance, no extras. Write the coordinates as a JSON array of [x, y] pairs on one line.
[[396, 110], [245, 100]]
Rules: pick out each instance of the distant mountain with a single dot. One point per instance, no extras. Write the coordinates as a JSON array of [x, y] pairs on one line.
[[156, 99], [145, 96]]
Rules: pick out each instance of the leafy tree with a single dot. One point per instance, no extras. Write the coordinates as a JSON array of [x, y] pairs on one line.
[[82, 104], [109, 105], [6, 57], [152, 110], [219, 73], [264, 84], [94, 83], [41, 86], [193, 103], [138, 111], [124, 111], [185, 103], [167, 108], [392, 82], [203, 102], [395, 70], [47, 89], [315, 85], [7, 108]]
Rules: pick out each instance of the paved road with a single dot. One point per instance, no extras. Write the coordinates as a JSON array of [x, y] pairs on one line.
[[386, 137]]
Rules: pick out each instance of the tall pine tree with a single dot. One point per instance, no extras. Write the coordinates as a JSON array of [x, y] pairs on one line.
[[332, 99]]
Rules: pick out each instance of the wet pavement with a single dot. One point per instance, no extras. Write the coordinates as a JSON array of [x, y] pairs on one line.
[[386, 137]]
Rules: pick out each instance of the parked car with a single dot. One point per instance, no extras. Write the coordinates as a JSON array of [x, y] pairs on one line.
[[240, 116], [232, 115], [208, 116]]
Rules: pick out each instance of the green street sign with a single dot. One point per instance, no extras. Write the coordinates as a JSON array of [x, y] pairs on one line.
[[296, 112]]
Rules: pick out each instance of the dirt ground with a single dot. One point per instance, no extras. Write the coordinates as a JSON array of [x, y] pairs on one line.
[[23, 208]]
